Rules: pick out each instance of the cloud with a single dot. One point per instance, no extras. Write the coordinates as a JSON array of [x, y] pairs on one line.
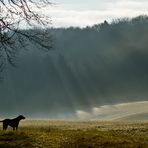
[[87, 13], [83, 14], [116, 111]]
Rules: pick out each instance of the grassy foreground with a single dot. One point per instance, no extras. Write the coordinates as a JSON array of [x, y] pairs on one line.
[[70, 134]]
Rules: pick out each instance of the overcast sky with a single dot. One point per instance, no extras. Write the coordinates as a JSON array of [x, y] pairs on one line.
[[88, 12]]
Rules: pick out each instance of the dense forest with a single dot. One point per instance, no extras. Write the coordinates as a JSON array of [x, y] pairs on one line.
[[99, 65]]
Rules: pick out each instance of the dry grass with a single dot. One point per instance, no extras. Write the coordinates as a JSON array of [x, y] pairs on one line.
[[72, 134]]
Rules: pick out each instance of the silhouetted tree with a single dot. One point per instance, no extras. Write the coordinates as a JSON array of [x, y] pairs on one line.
[[13, 15]]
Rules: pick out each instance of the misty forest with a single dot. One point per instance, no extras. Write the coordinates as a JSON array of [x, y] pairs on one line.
[[87, 67]]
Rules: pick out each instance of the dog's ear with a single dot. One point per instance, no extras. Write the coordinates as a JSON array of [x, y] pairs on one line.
[[21, 117]]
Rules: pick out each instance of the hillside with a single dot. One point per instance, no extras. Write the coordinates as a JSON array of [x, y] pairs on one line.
[[88, 67]]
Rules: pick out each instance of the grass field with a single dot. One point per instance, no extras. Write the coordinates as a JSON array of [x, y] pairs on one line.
[[76, 134]]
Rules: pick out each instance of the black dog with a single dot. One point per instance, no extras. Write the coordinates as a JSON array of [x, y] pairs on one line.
[[12, 122]]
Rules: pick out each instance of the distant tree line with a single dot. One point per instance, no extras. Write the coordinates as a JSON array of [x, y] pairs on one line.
[[121, 34]]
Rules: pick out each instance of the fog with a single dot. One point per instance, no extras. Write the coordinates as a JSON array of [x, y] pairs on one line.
[[87, 68], [117, 112]]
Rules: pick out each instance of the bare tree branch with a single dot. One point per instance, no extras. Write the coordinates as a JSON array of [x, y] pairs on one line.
[[13, 14]]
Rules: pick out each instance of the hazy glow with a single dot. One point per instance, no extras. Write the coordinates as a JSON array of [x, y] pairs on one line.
[[112, 112]]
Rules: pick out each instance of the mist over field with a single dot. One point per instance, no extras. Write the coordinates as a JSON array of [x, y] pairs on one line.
[[103, 65], [124, 111]]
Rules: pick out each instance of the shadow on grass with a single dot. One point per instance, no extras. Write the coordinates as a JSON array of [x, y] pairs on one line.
[[15, 140]]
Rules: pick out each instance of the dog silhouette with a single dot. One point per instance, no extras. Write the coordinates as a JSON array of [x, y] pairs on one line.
[[12, 122]]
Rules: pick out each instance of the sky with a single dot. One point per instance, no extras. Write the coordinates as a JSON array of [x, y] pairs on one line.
[[65, 13]]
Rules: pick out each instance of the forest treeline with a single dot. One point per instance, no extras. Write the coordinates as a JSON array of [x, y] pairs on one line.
[[129, 34]]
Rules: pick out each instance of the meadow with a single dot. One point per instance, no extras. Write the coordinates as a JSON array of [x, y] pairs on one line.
[[76, 134]]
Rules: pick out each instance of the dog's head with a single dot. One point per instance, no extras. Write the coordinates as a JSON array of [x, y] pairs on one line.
[[21, 117]]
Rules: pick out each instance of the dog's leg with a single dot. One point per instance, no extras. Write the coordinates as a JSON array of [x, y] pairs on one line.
[[16, 127], [5, 126], [13, 128]]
